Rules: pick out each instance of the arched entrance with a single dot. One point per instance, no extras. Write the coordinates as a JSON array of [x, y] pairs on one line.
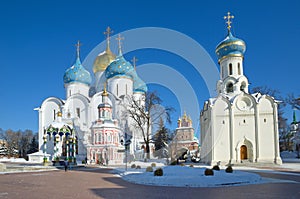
[[243, 152]]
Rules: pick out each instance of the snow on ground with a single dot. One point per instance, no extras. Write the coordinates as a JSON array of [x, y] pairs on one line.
[[186, 176], [19, 160]]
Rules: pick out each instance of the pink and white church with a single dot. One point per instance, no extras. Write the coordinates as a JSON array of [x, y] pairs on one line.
[[89, 123]]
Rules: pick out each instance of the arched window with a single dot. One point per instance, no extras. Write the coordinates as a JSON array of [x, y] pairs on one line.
[[239, 68], [230, 69], [229, 88], [243, 86]]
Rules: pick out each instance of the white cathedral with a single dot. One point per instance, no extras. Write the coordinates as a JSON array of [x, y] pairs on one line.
[[90, 123], [238, 127]]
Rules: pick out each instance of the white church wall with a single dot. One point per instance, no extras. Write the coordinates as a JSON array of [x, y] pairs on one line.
[[47, 114], [77, 88], [266, 136], [266, 131], [221, 126], [120, 86], [206, 134], [78, 106]]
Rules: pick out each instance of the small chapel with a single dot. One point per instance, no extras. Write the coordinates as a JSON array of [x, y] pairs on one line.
[[238, 127]]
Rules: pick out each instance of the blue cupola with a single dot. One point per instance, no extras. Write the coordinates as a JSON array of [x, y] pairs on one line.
[[119, 67], [77, 73], [230, 47], [139, 85]]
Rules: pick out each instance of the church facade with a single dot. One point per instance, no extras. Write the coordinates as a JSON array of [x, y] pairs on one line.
[[184, 140], [94, 113], [236, 126]]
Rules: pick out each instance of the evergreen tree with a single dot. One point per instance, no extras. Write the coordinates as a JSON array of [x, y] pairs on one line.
[[34, 145], [161, 138]]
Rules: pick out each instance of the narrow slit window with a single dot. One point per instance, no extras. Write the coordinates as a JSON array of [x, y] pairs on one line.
[[78, 112], [230, 69]]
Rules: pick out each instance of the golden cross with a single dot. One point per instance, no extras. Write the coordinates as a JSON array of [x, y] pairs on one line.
[[108, 32], [78, 47], [119, 38], [228, 18], [134, 60]]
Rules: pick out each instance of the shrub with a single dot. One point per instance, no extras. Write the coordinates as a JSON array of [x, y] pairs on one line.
[[149, 169], [191, 165], [153, 165], [133, 166], [158, 172], [83, 161], [173, 163], [182, 164], [209, 172], [216, 168], [138, 167], [229, 169]]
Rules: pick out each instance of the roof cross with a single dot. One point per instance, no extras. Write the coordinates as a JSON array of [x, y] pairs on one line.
[[108, 32], [134, 60], [228, 20], [78, 47], [119, 38]]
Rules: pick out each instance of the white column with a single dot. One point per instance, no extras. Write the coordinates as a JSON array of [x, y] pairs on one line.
[[231, 132], [277, 159], [257, 131]]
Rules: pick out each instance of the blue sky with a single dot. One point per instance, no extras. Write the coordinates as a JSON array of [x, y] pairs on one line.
[[37, 44]]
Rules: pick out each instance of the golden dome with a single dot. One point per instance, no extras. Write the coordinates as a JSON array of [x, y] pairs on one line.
[[103, 60]]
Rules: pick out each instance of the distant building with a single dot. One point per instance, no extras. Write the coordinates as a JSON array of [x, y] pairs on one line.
[[238, 127], [184, 140]]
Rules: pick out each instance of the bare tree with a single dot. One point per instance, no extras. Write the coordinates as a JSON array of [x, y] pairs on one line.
[[293, 101], [146, 115], [11, 140]]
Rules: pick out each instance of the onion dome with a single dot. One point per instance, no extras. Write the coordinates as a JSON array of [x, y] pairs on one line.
[[103, 60], [139, 85], [230, 46], [106, 57], [119, 67], [77, 73]]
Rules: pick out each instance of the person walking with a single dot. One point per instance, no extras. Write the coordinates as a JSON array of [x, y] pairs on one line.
[[66, 165]]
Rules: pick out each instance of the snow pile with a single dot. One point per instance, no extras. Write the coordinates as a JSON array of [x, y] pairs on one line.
[[185, 176], [5, 159]]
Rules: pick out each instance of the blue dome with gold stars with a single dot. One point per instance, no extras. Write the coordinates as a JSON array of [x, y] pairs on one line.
[[119, 67], [139, 85], [230, 47], [77, 73]]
